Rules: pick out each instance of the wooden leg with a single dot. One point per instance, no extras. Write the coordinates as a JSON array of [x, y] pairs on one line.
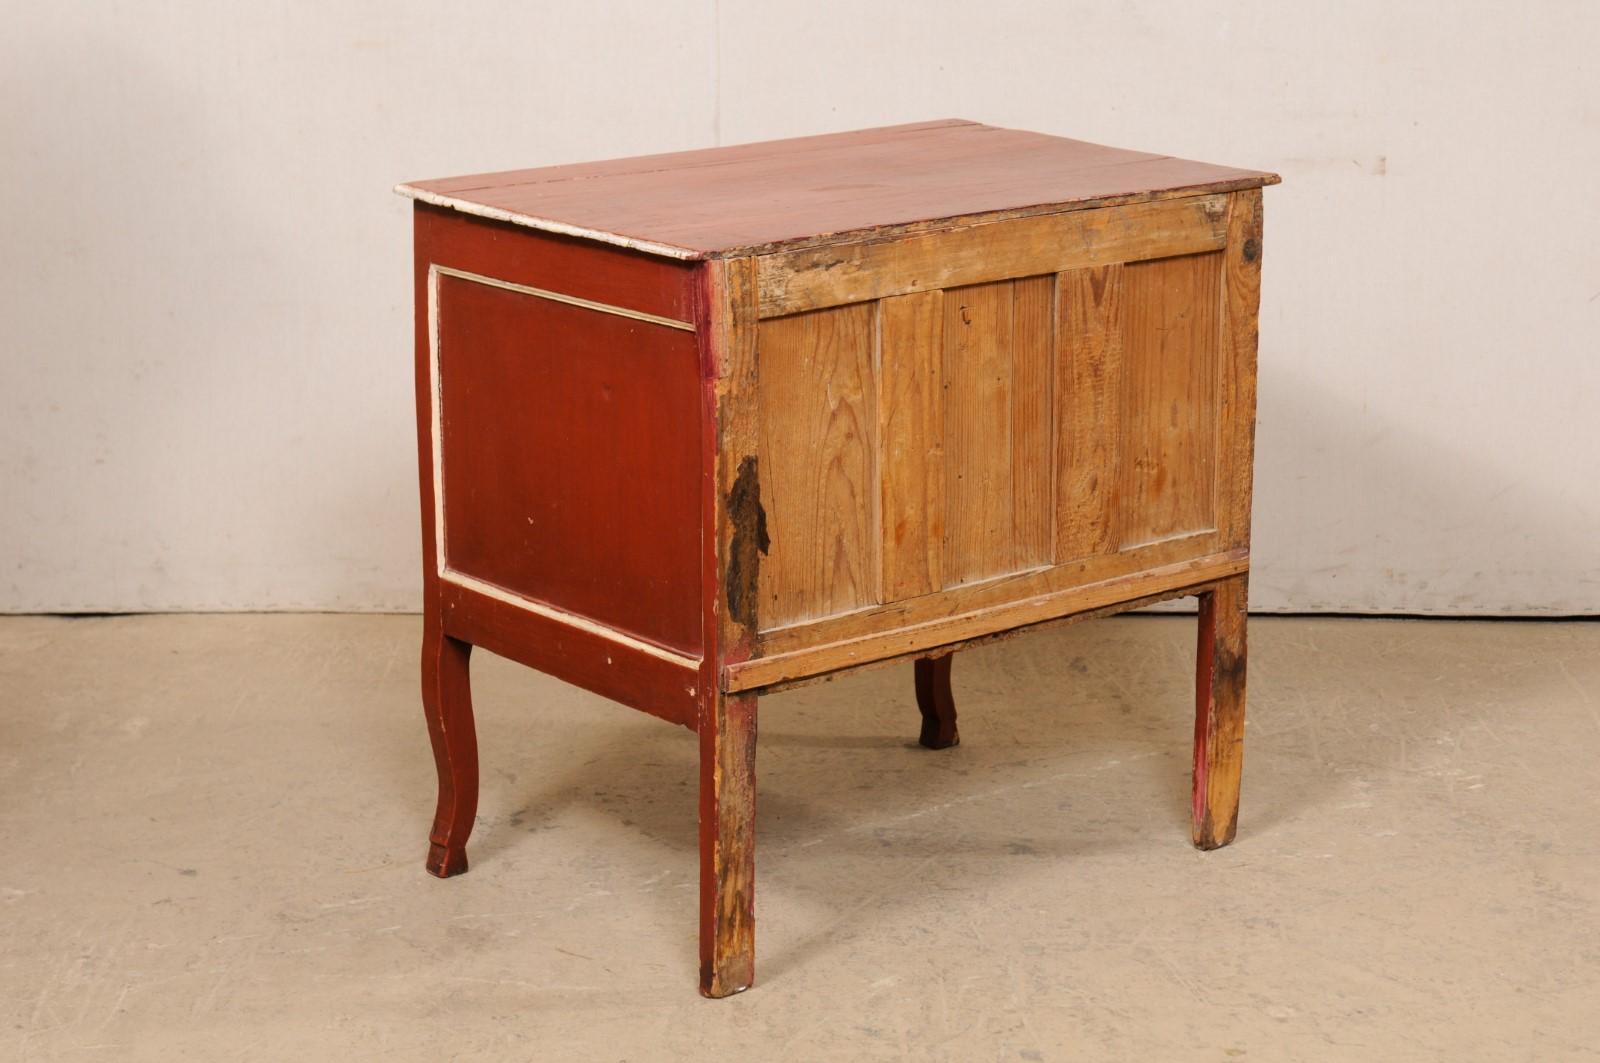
[[727, 844], [447, 702], [938, 705], [1219, 713]]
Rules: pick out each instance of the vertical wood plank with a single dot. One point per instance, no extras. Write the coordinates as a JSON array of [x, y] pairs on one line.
[[1089, 412], [818, 467], [1169, 380], [1032, 390], [911, 443], [977, 373], [1241, 279]]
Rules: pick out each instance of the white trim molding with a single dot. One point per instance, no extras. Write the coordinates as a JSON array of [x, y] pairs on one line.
[[560, 297]]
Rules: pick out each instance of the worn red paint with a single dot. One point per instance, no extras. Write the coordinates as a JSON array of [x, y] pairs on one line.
[[1204, 662]]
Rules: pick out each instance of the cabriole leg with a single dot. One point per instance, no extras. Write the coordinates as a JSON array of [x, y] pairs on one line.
[[727, 844], [937, 703], [447, 702], [1219, 713]]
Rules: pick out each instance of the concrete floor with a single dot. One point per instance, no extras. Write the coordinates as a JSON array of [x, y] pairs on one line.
[[214, 831]]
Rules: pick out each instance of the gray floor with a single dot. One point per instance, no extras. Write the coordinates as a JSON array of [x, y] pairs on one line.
[[214, 827]]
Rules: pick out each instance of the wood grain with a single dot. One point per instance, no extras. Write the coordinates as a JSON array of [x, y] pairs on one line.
[[818, 466], [727, 844], [1030, 583], [750, 198], [871, 638], [731, 413], [978, 407], [1241, 278], [734, 535], [1033, 347], [987, 638], [1219, 713], [911, 443], [872, 269], [998, 359], [1169, 421], [1090, 410]]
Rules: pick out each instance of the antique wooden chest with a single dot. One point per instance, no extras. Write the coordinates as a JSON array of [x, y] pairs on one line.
[[695, 427]]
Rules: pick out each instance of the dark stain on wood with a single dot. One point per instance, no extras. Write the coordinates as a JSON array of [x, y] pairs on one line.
[[750, 541], [1252, 249], [1208, 837], [1228, 669]]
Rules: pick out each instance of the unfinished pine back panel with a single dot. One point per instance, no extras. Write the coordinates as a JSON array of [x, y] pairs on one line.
[[996, 413]]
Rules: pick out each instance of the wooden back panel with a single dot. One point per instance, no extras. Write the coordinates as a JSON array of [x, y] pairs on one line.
[[960, 420]]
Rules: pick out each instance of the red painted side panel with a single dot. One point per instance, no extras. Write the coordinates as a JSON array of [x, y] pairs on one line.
[[571, 464]]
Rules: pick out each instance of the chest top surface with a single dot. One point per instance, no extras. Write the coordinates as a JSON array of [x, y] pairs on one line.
[[754, 198]]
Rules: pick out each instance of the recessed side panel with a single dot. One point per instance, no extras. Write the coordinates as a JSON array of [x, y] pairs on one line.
[[978, 394], [911, 443], [997, 411], [1139, 374], [1169, 420], [1089, 412], [819, 479], [568, 450]]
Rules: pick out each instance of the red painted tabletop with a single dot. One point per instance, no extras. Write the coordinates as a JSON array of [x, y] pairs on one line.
[[753, 198]]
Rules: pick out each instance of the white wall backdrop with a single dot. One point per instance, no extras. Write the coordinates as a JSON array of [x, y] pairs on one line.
[[205, 347]]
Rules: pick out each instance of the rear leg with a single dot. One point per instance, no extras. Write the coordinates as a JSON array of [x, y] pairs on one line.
[[937, 703]]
